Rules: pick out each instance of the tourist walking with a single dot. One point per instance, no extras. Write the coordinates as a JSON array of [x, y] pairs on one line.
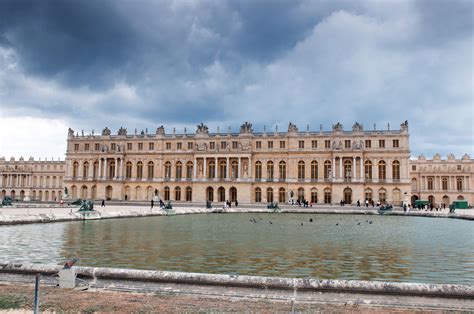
[[236, 203], [152, 203], [103, 203]]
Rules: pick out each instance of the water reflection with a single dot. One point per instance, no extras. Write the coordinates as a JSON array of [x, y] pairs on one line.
[[332, 246]]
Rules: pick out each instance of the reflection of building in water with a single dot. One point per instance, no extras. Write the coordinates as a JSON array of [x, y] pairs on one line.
[[321, 167], [441, 181], [31, 179]]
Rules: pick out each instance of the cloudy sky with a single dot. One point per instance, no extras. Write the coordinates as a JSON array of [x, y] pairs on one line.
[[139, 64]]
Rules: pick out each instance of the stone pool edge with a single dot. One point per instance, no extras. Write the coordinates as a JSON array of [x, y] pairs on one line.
[[133, 213], [252, 282]]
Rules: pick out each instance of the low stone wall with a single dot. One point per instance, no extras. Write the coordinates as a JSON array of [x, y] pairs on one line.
[[254, 282]]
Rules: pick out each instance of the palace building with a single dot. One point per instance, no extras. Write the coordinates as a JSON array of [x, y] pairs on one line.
[[322, 167], [32, 180]]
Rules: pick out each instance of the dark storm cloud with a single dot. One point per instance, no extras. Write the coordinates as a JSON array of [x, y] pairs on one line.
[[92, 63]]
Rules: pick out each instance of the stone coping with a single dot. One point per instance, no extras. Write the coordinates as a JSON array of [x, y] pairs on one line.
[[13, 216], [254, 282]]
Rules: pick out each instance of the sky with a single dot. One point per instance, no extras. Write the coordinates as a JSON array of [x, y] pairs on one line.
[[141, 64]]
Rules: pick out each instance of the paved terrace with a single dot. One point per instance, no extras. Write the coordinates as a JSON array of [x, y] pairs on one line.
[[43, 213]]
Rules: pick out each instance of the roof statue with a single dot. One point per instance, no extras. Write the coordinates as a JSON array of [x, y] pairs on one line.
[[106, 131], [437, 157], [357, 127], [122, 131], [70, 132], [404, 126], [337, 127], [466, 157], [292, 127], [202, 129], [160, 130], [451, 156], [421, 157]]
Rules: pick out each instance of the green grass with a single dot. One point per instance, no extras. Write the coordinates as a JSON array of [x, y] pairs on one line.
[[9, 301]]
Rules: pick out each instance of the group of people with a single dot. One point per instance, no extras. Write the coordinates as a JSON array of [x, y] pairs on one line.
[[228, 204], [162, 204], [300, 203]]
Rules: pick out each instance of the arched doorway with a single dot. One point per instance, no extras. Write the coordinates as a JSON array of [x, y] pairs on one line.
[[12, 194], [347, 196], [210, 194], [431, 200], [149, 193], [108, 192], [73, 191], [446, 200], [94, 192], [233, 194], [84, 192], [22, 195], [414, 198], [221, 194]]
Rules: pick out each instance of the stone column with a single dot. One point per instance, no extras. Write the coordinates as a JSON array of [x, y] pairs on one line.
[[353, 168], [205, 169], [375, 170], [121, 169], [216, 167], [340, 168], [361, 169], [333, 168], [105, 168], [238, 168], [227, 168], [250, 175], [91, 169], [99, 174], [116, 169], [195, 168]]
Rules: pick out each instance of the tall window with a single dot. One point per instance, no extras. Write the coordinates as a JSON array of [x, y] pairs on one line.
[[258, 195], [151, 170], [314, 144], [223, 169], [189, 170], [444, 182], [139, 170], [300, 144], [396, 170], [314, 170], [381, 143], [212, 169], [282, 144], [189, 194], [327, 196], [314, 196], [270, 144], [167, 193], [282, 195], [177, 193], [258, 170], [85, 170], [347, 169], [270, 195], [301, 194], [128, 169], [382, 170], [301, 170], [430, 183], [368, 195], [179, 170], [327, 169], [75, 169], [459, 183], [270, 170], [368, 170], [382, 195], [167, 169], [282, 170], [235, 169]]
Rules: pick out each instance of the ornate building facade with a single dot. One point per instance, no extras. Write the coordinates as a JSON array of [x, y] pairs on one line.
[[441, 181], [31, 179], [321, 166]]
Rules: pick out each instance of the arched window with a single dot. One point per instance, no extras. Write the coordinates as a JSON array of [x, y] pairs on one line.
[[282, 195], [233, 194], [282, 170], [459, 183], [327, 196], [128, 169], [221, 194], [167, 193], [327, 169], [53, 185], [223, 169], [151, 170], [270, 170], [75, 169], [111, 169], [95, 170], [258, 195], [301, 170], [167, 169], [47, 182], [397, 197], [301, 194], [269, 195], [368, 195], [368, 170], [234, 169], [431, 200], [382, 196], [189, 194], [382, 170], [139, 170], [258, 170], [189, 170], [177, 193], [430, 183], [314, 195], [212, 169], [179, 170], [347, 169], [444, 182], [314, 170], [210, 194], [396, 170], [85, 169]]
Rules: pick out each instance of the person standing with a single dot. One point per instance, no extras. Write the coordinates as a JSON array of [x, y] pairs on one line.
[[103, 203], [152, 203]]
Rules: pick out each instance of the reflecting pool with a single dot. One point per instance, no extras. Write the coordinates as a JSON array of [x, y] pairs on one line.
[[364, 247]]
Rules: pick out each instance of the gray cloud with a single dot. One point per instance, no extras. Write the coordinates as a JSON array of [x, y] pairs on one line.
[[140, 64]]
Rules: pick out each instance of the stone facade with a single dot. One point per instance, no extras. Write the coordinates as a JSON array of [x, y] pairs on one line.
[[321, 166], [31, 179], [442, 181]]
